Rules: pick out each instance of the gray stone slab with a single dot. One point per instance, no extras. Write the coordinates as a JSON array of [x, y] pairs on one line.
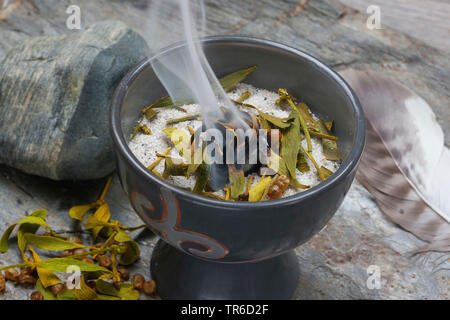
[[334, 263]]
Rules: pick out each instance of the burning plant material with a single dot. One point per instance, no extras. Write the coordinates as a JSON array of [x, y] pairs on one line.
[[299, 148]]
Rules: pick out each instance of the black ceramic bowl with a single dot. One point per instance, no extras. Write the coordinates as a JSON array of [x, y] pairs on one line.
[[221, 249]]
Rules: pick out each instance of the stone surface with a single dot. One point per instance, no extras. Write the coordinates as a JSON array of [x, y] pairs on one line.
[[334, 263], [55, 99], [423, 20]]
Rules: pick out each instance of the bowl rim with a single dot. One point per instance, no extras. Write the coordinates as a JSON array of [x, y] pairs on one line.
[[353, 158]]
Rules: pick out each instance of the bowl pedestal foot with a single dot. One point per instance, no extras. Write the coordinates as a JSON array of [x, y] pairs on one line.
[[182, 276]]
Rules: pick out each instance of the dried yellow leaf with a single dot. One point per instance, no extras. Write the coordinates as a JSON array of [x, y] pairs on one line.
[[256, 192]]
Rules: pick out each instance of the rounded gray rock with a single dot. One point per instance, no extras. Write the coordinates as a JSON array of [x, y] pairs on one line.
[[55, 95]]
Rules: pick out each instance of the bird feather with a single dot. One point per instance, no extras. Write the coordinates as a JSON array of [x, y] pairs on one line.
[[405, 165]]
